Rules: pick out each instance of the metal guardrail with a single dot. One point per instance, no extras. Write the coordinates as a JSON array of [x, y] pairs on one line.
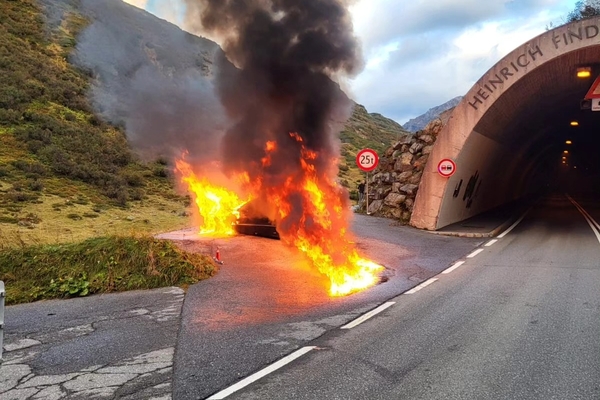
[[2, 297]]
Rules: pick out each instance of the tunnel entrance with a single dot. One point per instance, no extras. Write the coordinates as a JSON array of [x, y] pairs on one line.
[[512, 134]]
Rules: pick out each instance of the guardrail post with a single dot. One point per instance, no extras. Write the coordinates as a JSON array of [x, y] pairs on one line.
[[2, 297]]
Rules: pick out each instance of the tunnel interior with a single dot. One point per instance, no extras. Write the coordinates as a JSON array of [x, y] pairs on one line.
[[517, 147], [533, 119]]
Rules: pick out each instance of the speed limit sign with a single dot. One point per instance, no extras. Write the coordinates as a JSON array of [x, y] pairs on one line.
[[367, 160]]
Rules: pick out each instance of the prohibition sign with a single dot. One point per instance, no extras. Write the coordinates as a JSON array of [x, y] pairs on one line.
[[367, 160], [446, 168]]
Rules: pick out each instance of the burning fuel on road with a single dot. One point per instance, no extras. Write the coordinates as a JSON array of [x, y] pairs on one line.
[[286, 111]]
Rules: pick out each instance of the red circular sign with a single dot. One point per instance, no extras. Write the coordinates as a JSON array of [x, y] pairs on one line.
[[446, 168], [367, 160]]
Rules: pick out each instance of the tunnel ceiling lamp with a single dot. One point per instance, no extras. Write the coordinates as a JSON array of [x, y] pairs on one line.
[[584, 72], [566, 151], [574, 123], [569, 142]]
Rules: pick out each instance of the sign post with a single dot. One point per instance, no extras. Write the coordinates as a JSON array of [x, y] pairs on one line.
[[367, 160], [446, 168]]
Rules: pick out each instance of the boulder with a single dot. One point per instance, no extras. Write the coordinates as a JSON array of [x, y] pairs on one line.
[[429, 139], [415, 179], [416, 147], [375, 206], [409, 189], [404, 176], [394, 199]]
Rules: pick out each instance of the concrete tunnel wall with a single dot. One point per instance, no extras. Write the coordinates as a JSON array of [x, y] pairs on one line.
[[481, 131]]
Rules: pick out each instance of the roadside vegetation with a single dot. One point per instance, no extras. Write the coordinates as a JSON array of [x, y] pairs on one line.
[[75, 202], [98, 265]]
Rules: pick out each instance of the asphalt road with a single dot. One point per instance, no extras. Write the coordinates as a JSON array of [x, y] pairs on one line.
[[519, 320], [266, 302]]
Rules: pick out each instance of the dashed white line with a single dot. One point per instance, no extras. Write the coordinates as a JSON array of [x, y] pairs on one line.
[[421, 286], [453, 267], [491, 242], [368, 315], [473, 254], [262, 373]]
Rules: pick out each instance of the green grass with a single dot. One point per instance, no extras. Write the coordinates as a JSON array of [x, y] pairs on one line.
[[99, 265], [364, 130]]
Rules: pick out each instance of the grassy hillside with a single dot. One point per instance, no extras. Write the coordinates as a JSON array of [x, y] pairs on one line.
[[365, 130], [64, 174]]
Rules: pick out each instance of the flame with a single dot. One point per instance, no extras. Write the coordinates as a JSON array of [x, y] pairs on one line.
[[319, 228], [309, 209], [218, 207]]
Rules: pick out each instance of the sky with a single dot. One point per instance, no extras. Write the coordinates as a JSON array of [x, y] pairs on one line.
[[421, 53]]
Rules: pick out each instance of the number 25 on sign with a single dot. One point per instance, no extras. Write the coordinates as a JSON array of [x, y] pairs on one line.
[[367, 160]]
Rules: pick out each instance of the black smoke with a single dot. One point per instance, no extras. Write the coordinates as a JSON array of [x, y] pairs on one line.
[[286, 54]]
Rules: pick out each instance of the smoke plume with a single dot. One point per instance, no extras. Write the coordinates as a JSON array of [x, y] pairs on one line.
[[285, 54]]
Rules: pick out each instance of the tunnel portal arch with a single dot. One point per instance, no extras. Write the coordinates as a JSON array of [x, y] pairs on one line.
[[504, 131]]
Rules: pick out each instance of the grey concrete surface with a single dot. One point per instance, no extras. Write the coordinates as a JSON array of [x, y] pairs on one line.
[[519, 321], [100, 347]]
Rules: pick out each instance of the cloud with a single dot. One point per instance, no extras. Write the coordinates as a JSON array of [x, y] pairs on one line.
[[421, 53]]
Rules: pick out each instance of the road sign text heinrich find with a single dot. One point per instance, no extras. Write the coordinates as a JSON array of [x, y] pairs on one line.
[[367, 160]]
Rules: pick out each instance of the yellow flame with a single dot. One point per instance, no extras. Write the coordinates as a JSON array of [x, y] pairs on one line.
[[218, 207]]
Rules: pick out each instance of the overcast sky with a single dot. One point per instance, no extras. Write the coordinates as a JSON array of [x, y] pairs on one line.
[[421, 53]]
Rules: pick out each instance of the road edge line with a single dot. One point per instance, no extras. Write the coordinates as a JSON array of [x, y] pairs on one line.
[[260, 374], [513, 226], [368, 315], [591, 222]]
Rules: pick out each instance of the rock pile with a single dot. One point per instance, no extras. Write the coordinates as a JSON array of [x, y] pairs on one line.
[[394, 184]]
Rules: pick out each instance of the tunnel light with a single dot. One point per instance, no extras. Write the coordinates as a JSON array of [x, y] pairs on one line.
[[569, 142], [566, 151], [574, 123], [584, 72]]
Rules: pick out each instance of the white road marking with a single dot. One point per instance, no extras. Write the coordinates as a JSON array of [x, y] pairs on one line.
[[506, 232], [262, 373], [452, 268], [421, 286], [491, 242], [591, 222], [368, 315], [473, 254]]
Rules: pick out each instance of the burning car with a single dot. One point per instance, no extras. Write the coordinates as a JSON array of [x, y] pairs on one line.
[[251, 222]]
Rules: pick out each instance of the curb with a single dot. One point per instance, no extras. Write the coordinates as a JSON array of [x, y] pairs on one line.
[[490, 234]]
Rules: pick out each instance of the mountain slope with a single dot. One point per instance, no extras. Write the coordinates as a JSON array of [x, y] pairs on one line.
[[365, 130], [65, 174], [418, 123]]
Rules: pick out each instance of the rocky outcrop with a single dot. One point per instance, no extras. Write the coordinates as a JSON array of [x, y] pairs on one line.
[[421, 121], [394, 184]]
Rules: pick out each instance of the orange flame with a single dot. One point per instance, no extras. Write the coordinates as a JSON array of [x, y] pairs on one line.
[[218, 207], [318, 227], [321, 231]]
